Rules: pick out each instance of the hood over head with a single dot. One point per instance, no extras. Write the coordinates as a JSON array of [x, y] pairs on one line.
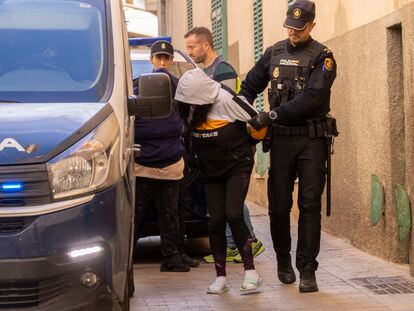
[[196, 88]]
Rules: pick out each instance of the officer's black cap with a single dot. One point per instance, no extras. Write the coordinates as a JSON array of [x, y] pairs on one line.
[[162, 47], [299, 14]]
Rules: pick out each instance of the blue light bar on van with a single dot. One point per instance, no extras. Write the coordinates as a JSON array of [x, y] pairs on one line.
[[146, 41], [11, 187]]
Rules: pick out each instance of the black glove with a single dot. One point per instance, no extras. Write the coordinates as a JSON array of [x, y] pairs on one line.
[[261, 120]]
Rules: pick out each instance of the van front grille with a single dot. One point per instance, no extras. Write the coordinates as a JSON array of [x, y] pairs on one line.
[[11, 225], [35, 185], [31, 294]]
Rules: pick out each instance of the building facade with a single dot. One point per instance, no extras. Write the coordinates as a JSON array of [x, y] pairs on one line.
[[141, 18], [372, 99]]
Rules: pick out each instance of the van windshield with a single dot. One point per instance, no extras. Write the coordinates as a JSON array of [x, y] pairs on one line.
[[53, 51]]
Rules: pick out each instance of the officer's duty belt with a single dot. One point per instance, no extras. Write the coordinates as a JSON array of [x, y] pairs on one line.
[[290, 130], [315, 128]]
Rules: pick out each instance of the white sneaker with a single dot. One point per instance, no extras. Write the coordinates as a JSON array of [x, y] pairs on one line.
[[219, 286], [252, 281]]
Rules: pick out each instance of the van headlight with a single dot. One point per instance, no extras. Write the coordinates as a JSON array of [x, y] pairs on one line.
[[89, 165]]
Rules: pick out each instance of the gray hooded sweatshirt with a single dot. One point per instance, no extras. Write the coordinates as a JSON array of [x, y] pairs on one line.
[[222, 143], [196, 88]]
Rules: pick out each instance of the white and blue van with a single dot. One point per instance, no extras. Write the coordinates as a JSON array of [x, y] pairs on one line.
[[66, 155]]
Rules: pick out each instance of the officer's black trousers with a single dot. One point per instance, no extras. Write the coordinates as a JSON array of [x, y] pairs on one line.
[[164, 193], [305, 158]]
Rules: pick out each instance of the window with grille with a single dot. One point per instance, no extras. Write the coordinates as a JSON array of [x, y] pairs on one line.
[[262, 159], [189, 14], [258, 40], [219, 26]]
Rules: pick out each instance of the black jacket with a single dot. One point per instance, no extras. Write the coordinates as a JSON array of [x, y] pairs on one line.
[[313, 101]]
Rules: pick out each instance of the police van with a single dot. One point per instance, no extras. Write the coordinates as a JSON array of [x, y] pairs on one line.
[[66, 154]]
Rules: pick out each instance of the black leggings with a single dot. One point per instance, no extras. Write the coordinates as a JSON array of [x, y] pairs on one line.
[[225, 201]]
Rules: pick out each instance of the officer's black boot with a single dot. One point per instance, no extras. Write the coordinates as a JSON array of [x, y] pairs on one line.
[[174, 264], [285, 271], [190, 261], [308, 282]]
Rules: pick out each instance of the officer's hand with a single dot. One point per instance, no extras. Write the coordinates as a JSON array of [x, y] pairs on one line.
[[261, 120]]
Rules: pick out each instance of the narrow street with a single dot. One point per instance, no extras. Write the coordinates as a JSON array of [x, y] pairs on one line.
[[348, 279]]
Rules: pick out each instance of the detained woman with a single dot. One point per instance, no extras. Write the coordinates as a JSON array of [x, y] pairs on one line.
[[223, 146]]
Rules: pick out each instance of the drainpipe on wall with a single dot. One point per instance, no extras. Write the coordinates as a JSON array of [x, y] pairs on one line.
[[162, 19], [408, 48]]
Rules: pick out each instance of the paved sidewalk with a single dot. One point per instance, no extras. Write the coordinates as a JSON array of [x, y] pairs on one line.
[[348, 279]]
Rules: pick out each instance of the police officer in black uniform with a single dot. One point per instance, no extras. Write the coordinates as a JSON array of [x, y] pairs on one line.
[[301, 72]]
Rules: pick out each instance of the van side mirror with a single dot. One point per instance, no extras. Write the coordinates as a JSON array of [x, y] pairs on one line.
[[154, 99]]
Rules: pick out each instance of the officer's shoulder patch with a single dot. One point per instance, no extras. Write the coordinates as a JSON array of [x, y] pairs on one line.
[[328, 64]]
